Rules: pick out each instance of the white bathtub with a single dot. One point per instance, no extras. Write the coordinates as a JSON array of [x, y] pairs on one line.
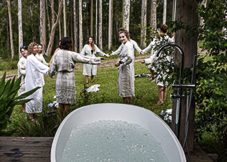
[[129, 113]]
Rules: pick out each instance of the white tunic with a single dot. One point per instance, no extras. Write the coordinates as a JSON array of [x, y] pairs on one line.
[[135, 47], [89, 69], [34, 71], [126, 72], [21, 65]]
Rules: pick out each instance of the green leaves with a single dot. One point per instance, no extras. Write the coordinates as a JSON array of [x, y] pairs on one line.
[[9, 98]]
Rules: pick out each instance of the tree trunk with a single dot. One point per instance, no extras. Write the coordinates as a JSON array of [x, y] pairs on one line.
[[92, 18], [10, 28], [20, 27], [96, 22], [153, 20], [126, 14], [51, 40], [75, 26], [174, 10], [48, 20], [187, 40], [80, 26], [164, 11], [42, 25], [64, 18], [52, 12], [110, 29], [100, 24], [143, 23]]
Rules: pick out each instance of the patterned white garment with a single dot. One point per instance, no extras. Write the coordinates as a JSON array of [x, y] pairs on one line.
[[21, 65]]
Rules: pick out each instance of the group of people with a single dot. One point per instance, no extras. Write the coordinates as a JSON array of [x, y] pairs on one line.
[[32, 67]]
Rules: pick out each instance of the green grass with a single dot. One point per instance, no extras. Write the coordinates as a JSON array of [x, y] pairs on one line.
[[145, 90]]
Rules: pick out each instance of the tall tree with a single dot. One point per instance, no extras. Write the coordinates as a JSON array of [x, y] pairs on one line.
[[96, 21], [110, 26], [153, 19], [64, 18], [53, 29], [10, 28], [42, 25], [174, 10], [75, 26], [80, 25], [164, 11], [126, 14], [187, 40], [20, 27], [92, 18], [100, 24], [143, 23]]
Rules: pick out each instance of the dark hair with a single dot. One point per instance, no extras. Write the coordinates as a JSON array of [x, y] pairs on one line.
[[66, 43], [23, 47], [164, 28], [93, 44], [125, 32]]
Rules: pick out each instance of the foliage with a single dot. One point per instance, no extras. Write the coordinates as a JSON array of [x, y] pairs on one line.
[[9, 98], [211, 91], [7, 64]]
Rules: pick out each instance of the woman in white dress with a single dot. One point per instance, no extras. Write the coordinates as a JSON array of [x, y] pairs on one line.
[[125, 66], [21, 65], [90, 50], [34, 78], [63, 64]]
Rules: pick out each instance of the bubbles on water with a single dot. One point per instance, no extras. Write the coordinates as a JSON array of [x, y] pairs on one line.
[[112, 141]]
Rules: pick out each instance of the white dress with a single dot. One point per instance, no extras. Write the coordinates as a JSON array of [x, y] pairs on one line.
[[126, 72], [21, 65], [34, 71], [88, 69]]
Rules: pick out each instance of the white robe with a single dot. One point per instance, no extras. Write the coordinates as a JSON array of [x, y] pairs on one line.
[[21, 65], [34, 78], [126, 72], [89, 69]]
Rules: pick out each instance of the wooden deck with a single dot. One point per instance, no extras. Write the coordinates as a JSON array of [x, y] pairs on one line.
[[37, 149]]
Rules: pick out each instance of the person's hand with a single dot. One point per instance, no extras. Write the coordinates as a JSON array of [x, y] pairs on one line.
[[142, 52], [143, 61], [95, 60], [107, 55], [117, 64]]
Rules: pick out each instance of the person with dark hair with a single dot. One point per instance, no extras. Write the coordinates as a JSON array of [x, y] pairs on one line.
[[21, 65], [34, 78], [63, 64], [161, 39], [134, 43], [126, 68], [90, 50]]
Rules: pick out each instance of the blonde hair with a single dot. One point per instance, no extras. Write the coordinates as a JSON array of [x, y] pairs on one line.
[[30, 47]]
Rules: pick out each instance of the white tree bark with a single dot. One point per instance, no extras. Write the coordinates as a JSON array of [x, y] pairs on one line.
[[52, 12], [10, 28], [42, 25], [53, 29], [143, 33], [126, 14], [100, 24], [64, 18], [164, 11], [92, 18], [174, 10], [75, 26], [153, 20], [96, 22], [20, 27], [80, 25], [110, 29]]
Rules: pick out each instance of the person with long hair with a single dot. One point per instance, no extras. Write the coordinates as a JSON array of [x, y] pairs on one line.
[[90, 50], [34, 78], [125, 66], [63, 64]]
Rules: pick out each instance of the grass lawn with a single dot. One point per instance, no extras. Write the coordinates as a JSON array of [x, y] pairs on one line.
[[146, 96]]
